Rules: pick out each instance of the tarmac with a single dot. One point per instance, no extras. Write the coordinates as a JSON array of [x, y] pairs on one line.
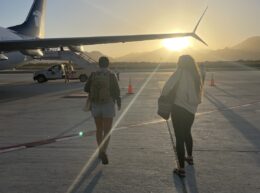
[[43, 151]]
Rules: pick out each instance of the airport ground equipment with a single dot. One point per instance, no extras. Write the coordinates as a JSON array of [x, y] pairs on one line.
[[85, 63], [58, 71], [80, 58]]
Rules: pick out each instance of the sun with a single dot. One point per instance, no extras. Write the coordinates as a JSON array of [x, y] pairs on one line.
[[176, 44]]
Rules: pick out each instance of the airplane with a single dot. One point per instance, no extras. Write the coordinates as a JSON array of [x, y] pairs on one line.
[[26, 41]]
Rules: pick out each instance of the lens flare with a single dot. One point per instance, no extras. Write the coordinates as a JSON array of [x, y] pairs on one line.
[[81, 133], [176, 44]]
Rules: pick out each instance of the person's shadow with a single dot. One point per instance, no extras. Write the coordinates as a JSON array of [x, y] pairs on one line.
[[191, 179], [91, 185], [89, 180], [179, 184], [187, 184]]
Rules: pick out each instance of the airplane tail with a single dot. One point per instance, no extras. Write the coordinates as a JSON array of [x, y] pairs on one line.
[[34, 25], [195, 29]]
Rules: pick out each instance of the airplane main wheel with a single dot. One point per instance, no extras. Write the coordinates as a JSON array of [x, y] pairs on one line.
[[41, 79], [83, 78]]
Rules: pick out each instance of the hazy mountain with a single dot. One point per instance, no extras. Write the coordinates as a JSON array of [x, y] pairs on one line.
[[153, 56], [95, 55], [163, 55], [235, 54], [246, 50], [250, 44]]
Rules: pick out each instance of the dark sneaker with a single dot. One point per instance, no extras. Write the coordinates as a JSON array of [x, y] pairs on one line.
[[189, 160], [179, 172], [104, 159]]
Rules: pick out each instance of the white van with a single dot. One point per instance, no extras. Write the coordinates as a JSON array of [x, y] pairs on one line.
[[59, 71]]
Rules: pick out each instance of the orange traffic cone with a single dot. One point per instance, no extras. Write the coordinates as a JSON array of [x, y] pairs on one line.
[[212, 81], [130, 88]]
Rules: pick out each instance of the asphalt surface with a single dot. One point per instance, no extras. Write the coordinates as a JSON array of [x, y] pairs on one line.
[[41, 151]]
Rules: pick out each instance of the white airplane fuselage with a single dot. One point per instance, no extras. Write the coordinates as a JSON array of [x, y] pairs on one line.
[[14, 58]]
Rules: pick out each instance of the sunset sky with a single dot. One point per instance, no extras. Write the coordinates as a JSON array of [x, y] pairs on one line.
[[226, 23]]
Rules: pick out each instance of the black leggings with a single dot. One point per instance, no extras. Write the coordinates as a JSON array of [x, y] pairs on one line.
[[182, 121]]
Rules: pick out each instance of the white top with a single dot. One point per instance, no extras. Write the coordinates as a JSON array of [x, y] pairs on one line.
[[186, 94]]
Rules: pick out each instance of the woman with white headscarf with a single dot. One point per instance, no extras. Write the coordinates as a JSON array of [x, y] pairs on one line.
[[183, 91]]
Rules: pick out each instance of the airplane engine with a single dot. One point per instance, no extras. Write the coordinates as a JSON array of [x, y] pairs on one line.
[[76, 48], [33, 53]]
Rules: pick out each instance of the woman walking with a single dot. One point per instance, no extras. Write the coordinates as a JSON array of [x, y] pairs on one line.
[[104, 92], [184, 91]]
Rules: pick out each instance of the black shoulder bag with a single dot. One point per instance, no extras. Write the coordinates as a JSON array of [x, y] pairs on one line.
[[165, 103]]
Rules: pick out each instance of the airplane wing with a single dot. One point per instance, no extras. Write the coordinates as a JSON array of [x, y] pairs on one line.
[[16, 45], [28, 44]]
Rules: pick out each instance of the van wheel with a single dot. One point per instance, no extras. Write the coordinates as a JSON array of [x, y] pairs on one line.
[[41, 79], [83, 78]]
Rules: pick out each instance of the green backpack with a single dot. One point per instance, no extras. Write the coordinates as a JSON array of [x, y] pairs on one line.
[[100, 87]]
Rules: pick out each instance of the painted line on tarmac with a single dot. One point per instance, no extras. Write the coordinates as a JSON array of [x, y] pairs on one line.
[[59, 138], [157, 121], [85, 168], [44, 142], [228, 108], [12, 149], [34, 144]]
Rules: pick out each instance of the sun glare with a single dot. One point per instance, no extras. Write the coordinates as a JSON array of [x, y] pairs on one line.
[[176, 44]]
